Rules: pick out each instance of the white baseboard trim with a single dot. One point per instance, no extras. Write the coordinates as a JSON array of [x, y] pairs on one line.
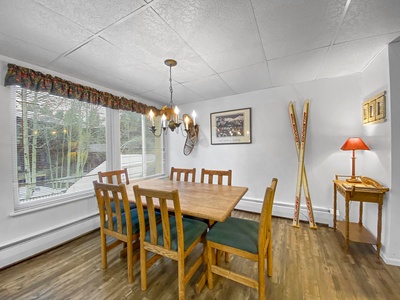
[[23, 249], [322, 215]]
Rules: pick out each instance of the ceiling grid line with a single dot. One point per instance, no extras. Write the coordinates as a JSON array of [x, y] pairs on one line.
[[346, 8]]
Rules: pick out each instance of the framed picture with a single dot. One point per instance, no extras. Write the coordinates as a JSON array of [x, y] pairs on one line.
[[231, 127], [374, 109]]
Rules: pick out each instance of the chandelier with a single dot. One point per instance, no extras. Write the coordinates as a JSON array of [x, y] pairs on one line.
[[170, 118]]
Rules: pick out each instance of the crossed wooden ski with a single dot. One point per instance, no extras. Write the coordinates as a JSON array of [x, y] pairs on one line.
[[301, 171]]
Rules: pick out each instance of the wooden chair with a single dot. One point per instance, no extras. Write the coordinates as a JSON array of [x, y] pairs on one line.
[[216, 177], [178, 172], [245, 238], [121, 224], [216, 174], [175, 237], [116, 177]]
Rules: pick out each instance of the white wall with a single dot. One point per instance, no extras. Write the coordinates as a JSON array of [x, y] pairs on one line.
[[27, 234], [375, 79], [335, 115], [393, 204], [383, 74]]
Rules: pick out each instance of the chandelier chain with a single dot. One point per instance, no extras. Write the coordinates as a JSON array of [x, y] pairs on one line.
[[170, 85]]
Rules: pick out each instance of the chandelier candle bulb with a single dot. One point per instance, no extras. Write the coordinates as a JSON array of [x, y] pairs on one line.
[[163, 120], [186, 123], [177, 114], [151, 115]]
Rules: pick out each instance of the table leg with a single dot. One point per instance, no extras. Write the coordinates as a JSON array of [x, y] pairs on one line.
[[347, 237], [360, 215]]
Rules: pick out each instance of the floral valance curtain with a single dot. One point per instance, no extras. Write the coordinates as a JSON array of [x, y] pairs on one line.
[[39, 82]]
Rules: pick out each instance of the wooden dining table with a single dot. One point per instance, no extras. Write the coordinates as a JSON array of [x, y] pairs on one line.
[[208, 201]]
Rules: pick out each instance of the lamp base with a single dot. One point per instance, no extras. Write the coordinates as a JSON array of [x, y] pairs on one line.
[[353, 180]]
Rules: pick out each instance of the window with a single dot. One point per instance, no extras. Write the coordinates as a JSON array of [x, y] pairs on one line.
[[60, 145], [141, 152]]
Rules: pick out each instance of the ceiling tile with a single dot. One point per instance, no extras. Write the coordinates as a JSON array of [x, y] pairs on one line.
[[23, 51], [210, 87], [153, 41], [224, 33], [187, 69], [181, 95], [252, 78], [142, 76], [297, 68], [352, 57], [369, 18], [28, 21], [101, 55], [290, 27], [90, 74], [93, 15], [160, 99]]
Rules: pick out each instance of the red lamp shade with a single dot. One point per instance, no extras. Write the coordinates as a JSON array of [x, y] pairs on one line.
[[354, 143]]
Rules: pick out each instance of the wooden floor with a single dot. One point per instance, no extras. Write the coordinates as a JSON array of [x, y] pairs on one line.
[[308, 264]]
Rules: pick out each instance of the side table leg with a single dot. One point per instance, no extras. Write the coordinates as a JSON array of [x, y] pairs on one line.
[[360, 215], [334, 205], [347, 224]]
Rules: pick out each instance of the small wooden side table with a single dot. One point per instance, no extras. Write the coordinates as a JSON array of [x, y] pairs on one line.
[[356, 232]]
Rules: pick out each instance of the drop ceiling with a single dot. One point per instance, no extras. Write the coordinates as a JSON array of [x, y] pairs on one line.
[[223, 47]]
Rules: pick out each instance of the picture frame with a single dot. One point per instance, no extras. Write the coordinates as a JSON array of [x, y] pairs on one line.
[[374, 109], [231, 127]]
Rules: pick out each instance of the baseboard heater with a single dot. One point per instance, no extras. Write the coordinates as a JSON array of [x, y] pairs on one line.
[[322, 215], [22, 249]]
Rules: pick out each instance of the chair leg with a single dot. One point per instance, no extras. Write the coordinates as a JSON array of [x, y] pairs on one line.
[[269, 259], [210, 262], [130, 261], [181, 278], [143, 268], [122, 253], [261, 277], [226, 257], [103, 250], [218, 257]]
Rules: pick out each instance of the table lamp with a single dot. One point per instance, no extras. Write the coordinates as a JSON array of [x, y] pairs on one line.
[[354, 143]]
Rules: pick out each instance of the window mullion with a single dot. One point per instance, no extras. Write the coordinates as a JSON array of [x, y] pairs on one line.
[[113, 139]]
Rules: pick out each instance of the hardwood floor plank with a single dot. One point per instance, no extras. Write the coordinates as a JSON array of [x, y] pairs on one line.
[[307, 264]]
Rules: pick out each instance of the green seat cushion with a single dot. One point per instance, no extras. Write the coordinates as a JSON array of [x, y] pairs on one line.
[[238, 233], [134, 221], [197, 219], [131, 205], [192, 229]]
